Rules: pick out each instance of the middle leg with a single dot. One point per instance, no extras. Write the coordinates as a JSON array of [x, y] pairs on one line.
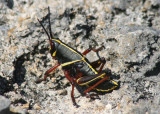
[[72, 81]]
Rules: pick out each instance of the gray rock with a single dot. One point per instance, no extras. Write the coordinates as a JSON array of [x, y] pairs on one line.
[[4, 105], [128, 29]]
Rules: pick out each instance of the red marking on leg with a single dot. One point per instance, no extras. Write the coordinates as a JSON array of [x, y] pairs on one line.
[[72, 95], [92, 87], [72, 81], [47, 72], [87, 51], [67, 75], [95, 50]]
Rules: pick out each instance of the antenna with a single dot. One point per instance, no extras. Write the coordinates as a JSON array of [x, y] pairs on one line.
[[50, 30], [44, 29]]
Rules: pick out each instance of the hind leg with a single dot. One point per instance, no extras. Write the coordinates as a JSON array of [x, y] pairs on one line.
[[95, 50], [100, 62]]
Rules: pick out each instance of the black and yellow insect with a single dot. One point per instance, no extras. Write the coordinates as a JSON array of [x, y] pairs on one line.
[[77, 69]]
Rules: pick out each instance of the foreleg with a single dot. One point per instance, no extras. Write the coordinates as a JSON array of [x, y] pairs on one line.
[[47, 72]]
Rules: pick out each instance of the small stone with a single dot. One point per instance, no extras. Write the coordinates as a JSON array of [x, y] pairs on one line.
[[53, 79], [108, 106], [17, 110], [37, 107], [62, 92], [65, 82], [26, 106]]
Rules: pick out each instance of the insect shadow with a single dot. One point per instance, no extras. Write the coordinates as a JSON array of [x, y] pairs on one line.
[[5, 85]]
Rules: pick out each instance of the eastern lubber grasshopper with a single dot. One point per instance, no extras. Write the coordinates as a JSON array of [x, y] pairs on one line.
[[77, 69]]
